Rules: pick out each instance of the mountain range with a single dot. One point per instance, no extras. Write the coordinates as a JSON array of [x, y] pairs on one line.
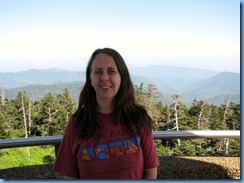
[[188, 83]]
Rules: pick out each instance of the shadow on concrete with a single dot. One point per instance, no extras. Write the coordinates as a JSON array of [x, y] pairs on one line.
[[182, 168], [170, 168], [30, 172]]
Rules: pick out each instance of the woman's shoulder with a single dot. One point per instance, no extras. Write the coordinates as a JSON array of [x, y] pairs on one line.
[[70, 123]]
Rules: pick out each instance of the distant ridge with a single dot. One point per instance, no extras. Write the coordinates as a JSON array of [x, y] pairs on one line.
[[225, 80], [189, 83], [37, 76], [172, 71], [216, 88]]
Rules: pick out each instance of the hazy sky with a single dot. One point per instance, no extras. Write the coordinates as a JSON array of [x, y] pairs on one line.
[[64, 33]]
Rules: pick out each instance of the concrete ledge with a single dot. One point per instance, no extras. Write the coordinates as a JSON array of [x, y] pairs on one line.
[[199, 168], [170, 168]]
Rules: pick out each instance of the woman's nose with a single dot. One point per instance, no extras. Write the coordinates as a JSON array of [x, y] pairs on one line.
[[105, 77]]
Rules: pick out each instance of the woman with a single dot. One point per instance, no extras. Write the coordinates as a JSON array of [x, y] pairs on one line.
[[109, 136]]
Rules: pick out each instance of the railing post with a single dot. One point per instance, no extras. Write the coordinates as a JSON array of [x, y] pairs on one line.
[[56, 149]]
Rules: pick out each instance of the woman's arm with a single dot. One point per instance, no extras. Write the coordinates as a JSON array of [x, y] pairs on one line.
[[67, 177], [150, 173]]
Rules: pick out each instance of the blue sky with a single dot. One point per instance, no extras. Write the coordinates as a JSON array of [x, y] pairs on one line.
[[62, 33]]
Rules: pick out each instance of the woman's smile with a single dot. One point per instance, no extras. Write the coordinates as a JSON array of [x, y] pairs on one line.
[[105, 86]]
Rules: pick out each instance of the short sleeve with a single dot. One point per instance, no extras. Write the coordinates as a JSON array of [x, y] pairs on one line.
[[149, 150], [66, 161]]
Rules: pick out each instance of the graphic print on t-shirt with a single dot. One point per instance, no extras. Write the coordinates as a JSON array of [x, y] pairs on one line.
[[101, 151], [87, 154], [105, 151], [131, 145], [116, 148]]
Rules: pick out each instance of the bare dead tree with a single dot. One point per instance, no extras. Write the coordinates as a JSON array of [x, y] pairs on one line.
[[2, 97], [175, 104], [200, 117], [29, 119], [151, 95], [226, 140], [49, 115], [226, 109], [25, 122]]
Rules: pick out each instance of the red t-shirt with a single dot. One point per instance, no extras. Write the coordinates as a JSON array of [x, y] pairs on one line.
[[112, 153]]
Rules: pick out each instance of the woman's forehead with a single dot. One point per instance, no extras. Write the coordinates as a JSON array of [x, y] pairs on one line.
[[103, 61]]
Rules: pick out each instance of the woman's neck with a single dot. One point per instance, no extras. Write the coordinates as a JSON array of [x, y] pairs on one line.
[[105, 107]]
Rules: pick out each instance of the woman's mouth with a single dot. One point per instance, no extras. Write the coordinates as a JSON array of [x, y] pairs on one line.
[[105, 86]]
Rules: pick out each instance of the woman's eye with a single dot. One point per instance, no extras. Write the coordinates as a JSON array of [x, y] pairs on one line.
[[111, 71], [98, 72]]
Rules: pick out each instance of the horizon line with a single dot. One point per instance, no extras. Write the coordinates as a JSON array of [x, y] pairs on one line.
[[82, 69]]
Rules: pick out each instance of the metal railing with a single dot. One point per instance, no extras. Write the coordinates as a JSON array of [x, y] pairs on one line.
[[164, 135], [184, 134]]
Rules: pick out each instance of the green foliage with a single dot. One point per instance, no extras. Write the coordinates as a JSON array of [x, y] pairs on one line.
[[199, 116], [163, 151], [48, 159], [234, 147], [47, 116], [50, 114], [4, 133], [185, 149], [16, 157]]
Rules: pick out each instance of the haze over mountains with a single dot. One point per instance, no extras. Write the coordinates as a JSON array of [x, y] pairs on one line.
[[188, 83]]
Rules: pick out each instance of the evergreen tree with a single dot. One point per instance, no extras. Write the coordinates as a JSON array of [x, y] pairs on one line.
[[17, 115], [140, 94], [66, 108], [4, 128], [49, 116], [151, 100], [233, 117], [53, 113]]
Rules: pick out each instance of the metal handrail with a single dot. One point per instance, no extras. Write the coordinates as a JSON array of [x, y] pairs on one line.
[[184, 134], [32, 141]]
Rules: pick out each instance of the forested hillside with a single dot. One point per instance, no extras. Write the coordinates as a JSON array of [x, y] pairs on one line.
[[36, 92], [23, 117]]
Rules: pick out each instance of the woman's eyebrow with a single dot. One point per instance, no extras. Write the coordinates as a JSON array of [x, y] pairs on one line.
[[114, 68], [110, 68], [97, 69]]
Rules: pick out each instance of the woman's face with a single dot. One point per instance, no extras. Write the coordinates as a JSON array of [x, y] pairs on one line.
[[105, 78]]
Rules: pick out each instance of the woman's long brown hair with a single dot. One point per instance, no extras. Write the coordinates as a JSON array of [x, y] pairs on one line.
[[126, 110]]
